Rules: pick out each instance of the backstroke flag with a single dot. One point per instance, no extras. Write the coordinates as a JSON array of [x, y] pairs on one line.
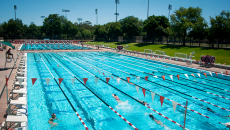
[[186, 75], [72, 80], [174, 105], [33, 80], [118, 80], [137, 88], [138, 79], [153, 95], [47, 81], [171, 76], [96, 80], [198, 74]]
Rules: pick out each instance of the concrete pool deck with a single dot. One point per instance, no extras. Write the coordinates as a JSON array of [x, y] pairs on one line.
[[12, 72]]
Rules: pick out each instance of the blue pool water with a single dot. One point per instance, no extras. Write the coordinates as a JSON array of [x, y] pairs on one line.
[[91, 101], [51, 46]]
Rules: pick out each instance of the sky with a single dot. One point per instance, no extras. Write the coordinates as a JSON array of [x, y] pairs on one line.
[[32, 10]]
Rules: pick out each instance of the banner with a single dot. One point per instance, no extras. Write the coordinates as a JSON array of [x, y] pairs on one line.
[[128, 78], [143, 90], [178, 76], [216, 74], [163, 77], [198, 74], [85, 80], [60, 80], [146, 78], [193, 75], [162, 99], [33, 80], [186, 75], [107, 80], [210, 73]]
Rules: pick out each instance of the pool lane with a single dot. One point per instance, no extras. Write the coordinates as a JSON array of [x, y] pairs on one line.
[[88, 60]]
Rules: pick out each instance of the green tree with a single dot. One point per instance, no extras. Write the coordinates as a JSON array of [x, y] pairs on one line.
[[220, 27], [100, 32], [86, 34], [184, 20], [52, 25], [156, 25], [131, 26]]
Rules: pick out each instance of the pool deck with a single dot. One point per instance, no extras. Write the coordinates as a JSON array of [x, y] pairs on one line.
[[9, 70]]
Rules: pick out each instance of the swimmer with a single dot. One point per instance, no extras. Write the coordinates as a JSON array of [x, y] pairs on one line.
[[52, 119], [157, 121], [117, 98], [57, 65], [144, 103], [165, 66]]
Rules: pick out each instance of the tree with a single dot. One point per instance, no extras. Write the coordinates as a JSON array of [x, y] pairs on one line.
[[52, 25], [156, 25], [131, 26], [220, 27], [184, 19], [113, 30], [100, 32]]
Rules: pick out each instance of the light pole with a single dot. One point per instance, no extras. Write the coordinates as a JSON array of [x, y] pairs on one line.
[[148, 10], [96, 16], [15, 8], [117, 2], [64, 10], [170, 8], [42, 18]]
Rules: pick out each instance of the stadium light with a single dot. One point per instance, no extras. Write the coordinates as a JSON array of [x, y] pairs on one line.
[[117, 2], [96, 16], [42, 18], [170, 8], [148, 10], [15, 8], [64, 10]]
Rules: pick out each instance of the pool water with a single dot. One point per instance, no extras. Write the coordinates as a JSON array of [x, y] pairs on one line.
[[51, 46], [91, 101]]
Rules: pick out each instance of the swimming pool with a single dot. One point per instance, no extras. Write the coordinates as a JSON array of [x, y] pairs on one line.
[[51, 46], [92, 101]]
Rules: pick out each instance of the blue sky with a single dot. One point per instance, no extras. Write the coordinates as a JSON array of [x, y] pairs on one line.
[[32, 10]]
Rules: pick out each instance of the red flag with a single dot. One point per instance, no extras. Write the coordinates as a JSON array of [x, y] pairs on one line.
[[162, 99], [128, 78], [85, 80], [205, 75], [146, 78], [193, 75], [216, 74], [227, 72], [7, 81], [60, 80], [107, 80], [103, 74], [33, 80], [143, 90], [163, 77], [178, 76]]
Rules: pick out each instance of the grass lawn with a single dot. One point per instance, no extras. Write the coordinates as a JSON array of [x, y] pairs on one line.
[[222, 55]]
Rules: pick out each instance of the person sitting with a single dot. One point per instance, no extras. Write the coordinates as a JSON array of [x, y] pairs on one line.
[[52, 119], [9, 53], [144, 103], [157, 121], [117, 98]]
